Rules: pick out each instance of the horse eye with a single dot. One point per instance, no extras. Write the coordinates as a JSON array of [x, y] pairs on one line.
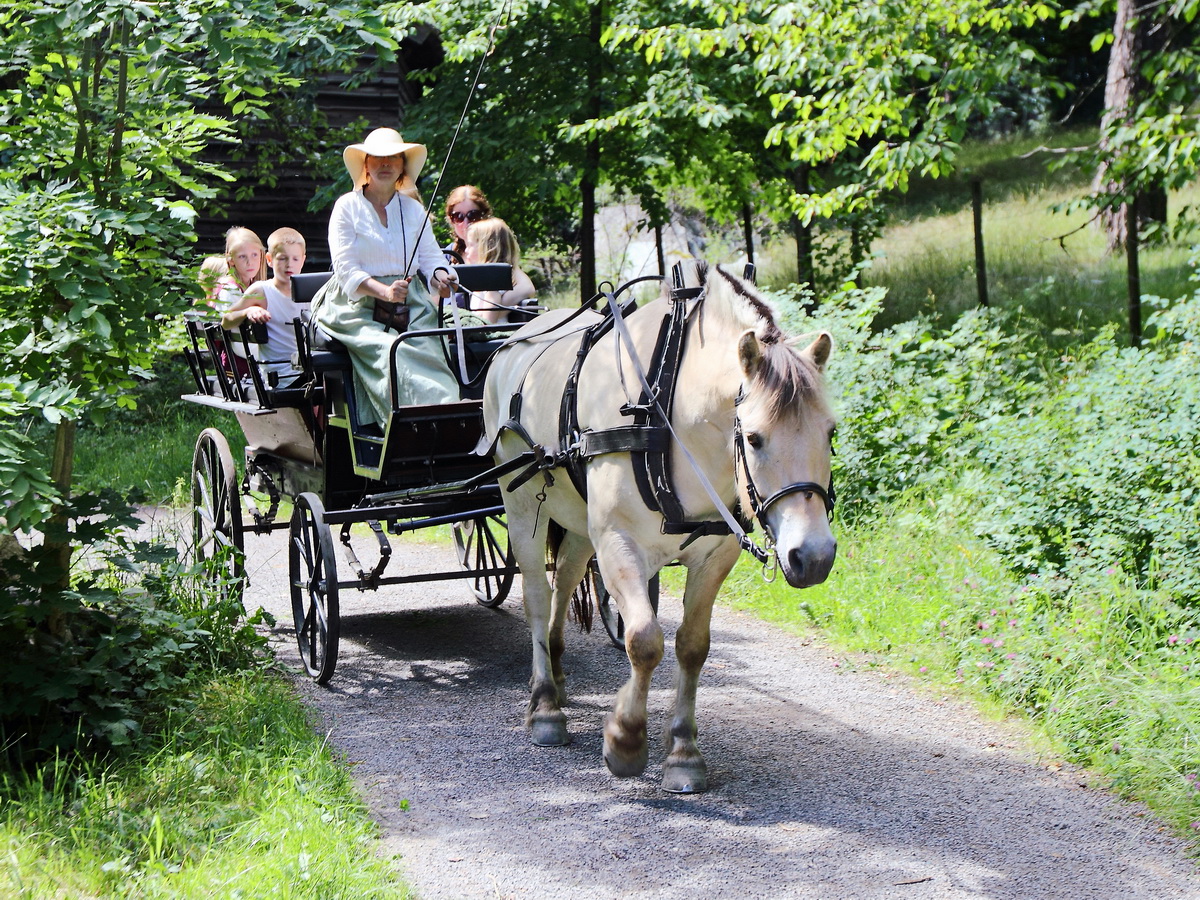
[[754, 439]]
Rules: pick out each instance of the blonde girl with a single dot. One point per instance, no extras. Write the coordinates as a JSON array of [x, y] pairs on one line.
[[492, 241], [247, 260]]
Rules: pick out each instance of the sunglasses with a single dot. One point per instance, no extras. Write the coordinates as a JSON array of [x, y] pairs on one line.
[[473, 216]]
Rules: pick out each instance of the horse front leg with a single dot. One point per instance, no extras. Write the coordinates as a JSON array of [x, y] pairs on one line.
[[625, 749], [684, 770]]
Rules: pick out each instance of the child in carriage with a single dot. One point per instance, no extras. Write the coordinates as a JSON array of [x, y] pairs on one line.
[[245, 258], [490, 240], [270, 302]]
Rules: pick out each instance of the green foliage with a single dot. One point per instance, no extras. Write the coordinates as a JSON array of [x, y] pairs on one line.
[[1152, 143], [912, 398], [533, 83], [101, 136], [874, 93], [236, 795], [135, 628], [1102, 473]]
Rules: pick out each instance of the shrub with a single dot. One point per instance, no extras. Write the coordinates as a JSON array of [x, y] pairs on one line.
[[89, 667], [1102, 474], [910, 399]]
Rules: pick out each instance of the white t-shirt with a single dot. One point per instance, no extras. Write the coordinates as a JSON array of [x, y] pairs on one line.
[[281, 333], [362, 247]]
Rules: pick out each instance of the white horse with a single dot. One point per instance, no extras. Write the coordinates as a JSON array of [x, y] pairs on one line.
[[736, 375]]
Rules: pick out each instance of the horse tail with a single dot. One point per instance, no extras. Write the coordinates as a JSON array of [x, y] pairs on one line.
[[582, 604]]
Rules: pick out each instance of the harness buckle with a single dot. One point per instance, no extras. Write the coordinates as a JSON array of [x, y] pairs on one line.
[[640, 409]]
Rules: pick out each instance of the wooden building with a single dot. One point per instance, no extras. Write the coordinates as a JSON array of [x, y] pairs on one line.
[[379, 102]]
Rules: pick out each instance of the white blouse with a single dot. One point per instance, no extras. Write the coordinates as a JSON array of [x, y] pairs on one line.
[[362, 247]]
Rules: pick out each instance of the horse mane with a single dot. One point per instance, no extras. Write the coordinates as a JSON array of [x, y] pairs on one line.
[[787, 377]]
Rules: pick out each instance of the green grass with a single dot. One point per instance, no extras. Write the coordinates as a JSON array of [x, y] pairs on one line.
[[1105, 679], [890, 592], [241, 798], [150, 448], [1072, 284], [1052, 265]]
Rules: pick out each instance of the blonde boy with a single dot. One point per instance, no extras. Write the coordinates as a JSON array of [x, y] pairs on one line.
[[270, 301]]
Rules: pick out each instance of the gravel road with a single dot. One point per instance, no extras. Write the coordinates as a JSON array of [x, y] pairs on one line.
[[826, 782]]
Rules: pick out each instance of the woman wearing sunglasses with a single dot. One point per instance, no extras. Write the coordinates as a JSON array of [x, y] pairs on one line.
[[465, 206]]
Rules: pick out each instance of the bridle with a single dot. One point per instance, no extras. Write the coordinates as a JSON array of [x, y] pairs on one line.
[[758, 506]]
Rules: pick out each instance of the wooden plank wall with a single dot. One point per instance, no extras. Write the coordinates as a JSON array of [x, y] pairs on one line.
[[380, 102]]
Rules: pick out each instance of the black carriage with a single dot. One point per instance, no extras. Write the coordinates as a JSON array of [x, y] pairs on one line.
[[304, 442]]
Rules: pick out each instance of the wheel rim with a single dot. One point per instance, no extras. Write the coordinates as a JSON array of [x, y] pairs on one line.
[[614, 625], [314, 588], [217, 536], [484, 549]]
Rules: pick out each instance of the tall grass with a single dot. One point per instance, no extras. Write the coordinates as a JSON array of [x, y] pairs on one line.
[[1052, 265], [1106, 679], [241, 798], [150, 448]]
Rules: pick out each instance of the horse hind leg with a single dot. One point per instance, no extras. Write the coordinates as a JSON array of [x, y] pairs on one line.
[[544, 717], [574, 551]]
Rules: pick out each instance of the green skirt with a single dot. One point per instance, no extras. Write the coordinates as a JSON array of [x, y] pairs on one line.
[[421, 371]]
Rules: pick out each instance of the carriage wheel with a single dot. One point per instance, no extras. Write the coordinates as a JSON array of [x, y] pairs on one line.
[[483, 547], [217, 535], [314, 587], [609, 614]]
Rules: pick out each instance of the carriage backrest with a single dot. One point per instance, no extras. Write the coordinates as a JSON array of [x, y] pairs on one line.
[[306, 284]]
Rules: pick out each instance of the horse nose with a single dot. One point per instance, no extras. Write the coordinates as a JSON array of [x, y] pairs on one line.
[[810, 563]]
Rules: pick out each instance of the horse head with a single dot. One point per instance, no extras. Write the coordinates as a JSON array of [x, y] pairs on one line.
[[782, 435]]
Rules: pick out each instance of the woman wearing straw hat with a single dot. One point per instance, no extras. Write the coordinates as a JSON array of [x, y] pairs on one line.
[[383, 248]]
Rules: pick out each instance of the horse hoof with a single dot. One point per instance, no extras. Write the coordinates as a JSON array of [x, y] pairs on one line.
[[550, 733], [685, 779], [626, 766]]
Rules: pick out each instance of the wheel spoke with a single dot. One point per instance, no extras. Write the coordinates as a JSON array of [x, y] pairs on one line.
[[314, 588]]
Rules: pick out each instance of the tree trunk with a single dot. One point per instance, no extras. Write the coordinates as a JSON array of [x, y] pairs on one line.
[[803, 233], [1137, 34], [591, 166], [56, 554]]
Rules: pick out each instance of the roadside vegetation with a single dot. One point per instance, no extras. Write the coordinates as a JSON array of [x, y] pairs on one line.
[[159, 753], [1016, 485], [237, 795]]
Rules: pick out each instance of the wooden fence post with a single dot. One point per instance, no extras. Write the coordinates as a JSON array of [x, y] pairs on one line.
[[981, 285], [1133, 275]]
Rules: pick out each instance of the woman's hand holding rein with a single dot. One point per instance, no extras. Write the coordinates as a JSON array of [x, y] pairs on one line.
[[443, 283]]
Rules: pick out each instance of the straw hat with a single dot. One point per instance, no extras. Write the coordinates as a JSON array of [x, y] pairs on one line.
[[384, 142]]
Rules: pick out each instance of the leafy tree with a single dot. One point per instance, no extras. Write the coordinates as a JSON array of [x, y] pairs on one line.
[[1148, 138], [861, 96], [101, 141]]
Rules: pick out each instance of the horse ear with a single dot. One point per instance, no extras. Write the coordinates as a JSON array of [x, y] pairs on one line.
[[749, 353], [820, 349]]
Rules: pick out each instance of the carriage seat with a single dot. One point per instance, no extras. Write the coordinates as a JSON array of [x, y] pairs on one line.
[[325, 353]]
